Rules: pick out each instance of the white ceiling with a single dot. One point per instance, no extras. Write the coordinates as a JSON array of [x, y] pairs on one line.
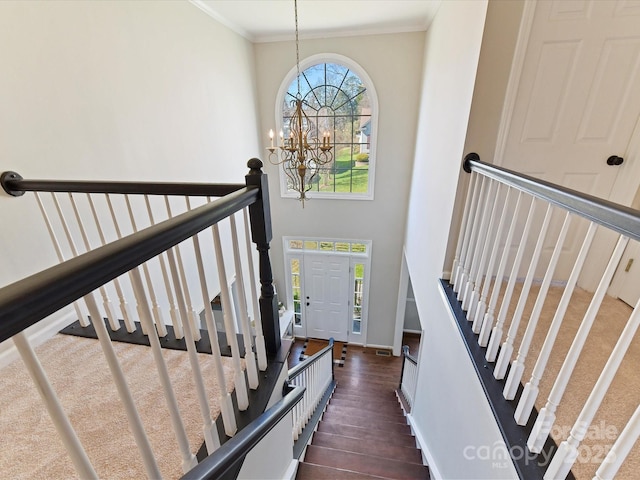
[[274, 20]]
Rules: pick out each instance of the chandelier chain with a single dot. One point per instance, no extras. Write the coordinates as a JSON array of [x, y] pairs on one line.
[[295, 4]]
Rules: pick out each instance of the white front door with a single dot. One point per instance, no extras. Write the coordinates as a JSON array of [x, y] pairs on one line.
[[578, 102], [326, 296]]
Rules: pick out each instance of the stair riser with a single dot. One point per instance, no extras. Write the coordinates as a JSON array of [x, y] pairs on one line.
[[359, 433], [342, 394], [365, 463], [370, 423], [379, 414], [378, 448], [309, 471]]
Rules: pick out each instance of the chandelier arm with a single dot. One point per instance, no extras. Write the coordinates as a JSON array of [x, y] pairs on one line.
[[302, 153]]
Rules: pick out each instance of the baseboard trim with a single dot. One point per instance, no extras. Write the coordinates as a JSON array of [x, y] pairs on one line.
[[37, 334], [373, 345], [290, 474], [422, 445]]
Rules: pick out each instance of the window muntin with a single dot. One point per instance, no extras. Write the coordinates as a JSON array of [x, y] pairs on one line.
[[338, 97], [342, 246]]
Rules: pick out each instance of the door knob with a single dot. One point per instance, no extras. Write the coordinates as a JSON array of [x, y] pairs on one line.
[[614, 160], [308, 304]]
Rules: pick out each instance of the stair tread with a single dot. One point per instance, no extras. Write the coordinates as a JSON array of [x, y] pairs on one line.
[[362, 405], [344, 394], [367, 422], [360, 432], [386, 414], [369, 446], [358, 462], [311, 471]]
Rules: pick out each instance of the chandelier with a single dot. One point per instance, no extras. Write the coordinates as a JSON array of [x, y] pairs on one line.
[[302, 153]]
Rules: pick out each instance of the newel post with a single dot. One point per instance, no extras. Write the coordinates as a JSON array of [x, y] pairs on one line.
[[261, 235]]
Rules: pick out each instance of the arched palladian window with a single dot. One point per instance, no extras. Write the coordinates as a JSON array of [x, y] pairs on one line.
[[339, 98]]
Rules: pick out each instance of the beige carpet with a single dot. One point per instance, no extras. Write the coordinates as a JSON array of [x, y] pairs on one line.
[[624, 393], [78, 371]]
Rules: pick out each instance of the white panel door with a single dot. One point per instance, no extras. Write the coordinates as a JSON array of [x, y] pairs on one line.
[[326, 296], [578, 101]]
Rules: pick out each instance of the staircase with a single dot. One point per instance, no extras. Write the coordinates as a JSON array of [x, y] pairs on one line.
[[363, 432]]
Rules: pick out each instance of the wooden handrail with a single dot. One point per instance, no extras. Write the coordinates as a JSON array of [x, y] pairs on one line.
[[15, 185], [301, 367], [235, 449], [31, 299], [622, 219], [408, 356]]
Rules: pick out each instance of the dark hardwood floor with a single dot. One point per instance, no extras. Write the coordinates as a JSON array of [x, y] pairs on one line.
[[363, 433]]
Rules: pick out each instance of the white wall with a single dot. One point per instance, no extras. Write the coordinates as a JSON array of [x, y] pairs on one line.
[[127, 90], [451, 412], [393, 62]]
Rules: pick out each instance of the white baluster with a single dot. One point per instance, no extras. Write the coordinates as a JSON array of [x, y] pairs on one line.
[[193, 316], [211, 438], [173, 310], [106, 302], [620, 449], [241, 386], [486, 233], [60, 420], [567, 452], [139, 299], [531, 389], [188, 459], [157, 312], [135, 423], [478, 315], [129, 322], [249, 356], [476, 241], [496, 334], [467, 247], [72, 247], [517, 368], [464, 226], [507, 347], [547, 415], [487, 321], [82, 318], [226, 405], [260, 345]]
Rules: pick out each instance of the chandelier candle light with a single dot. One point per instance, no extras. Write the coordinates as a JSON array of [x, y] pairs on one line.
[[302, 154]]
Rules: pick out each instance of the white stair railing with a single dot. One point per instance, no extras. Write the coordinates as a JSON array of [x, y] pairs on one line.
[[409, 378], [74, 448], [620, 449], [315, 374], [109, 255], [82, 318], [567, 453], [261, 350], [478, 286], [547, 415], [481, 308], [128, 317]]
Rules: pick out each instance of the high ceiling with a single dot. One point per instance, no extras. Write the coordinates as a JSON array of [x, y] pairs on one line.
[[273, 20]]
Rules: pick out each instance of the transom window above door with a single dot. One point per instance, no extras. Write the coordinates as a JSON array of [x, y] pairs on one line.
[[339, 99]]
